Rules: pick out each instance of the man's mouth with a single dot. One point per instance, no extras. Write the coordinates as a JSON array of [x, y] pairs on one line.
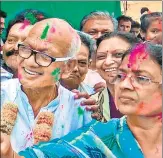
[[32, 72]]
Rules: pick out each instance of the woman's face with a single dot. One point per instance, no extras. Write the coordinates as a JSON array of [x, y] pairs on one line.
[[138, 90], [154, 30], [108, 58]]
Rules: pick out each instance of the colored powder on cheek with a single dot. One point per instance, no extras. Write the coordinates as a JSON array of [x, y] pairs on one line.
[[31, 18], [80, 111], [45, 31], [19, 76], [25, 24], [56, 74], [160, 25]]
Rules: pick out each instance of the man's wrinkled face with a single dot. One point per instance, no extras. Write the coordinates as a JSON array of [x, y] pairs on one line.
[[10, 48], [124, 26], [135, 31], [154, 30], [2, 26], [108, 57], [97, 27], [50, 39], [74, 78], [134, 93]]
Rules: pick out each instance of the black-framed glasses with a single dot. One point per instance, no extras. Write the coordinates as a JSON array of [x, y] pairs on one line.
[[42, 59]]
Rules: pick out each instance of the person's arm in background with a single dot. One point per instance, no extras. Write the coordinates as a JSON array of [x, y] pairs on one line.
[[92, 104]]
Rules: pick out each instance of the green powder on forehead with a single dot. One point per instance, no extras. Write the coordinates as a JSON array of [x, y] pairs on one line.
[[45, 31]]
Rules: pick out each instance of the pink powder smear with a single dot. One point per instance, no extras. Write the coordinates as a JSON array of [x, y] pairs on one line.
[[137, 55], [19, 76], [52, 29], [25, 24]]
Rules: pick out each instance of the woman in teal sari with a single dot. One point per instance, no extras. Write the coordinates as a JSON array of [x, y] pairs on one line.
[[138, 134]]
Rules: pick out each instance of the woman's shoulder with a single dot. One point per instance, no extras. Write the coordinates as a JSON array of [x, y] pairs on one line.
[[110, 127]]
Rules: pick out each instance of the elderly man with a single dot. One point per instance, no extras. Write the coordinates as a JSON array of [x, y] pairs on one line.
[[43, 109], [17, 31], [74, 79]]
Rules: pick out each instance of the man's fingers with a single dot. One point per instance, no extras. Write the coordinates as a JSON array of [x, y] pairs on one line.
[[99, 86], [75, 91], [5, 144], [88, 102], [92, 108], [82, 95], [94, 116]]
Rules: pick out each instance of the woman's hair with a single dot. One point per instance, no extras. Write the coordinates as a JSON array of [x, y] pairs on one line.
[[147, 19], [128, 37], [154, 51]]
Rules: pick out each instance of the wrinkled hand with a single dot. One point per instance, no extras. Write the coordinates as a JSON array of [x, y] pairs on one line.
[[98, 87], [89, 102], [6, 150]]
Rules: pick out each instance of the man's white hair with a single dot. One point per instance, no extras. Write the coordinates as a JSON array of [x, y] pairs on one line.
[[75, 46]]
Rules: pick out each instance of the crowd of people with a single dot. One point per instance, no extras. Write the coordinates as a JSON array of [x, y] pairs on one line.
[[93, 92]]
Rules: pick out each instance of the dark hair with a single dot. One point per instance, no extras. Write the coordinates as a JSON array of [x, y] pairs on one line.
[[88, 42], [3, 14], [124, 18], [35, 15], [135, 24], [147, 19], [128, 37], [144, 9], [154, 50], [100, 15]]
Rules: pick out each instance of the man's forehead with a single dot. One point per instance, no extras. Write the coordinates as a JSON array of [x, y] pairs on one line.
[[102, 22]]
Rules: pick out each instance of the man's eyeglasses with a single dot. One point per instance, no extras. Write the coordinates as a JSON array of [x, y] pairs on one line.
[[41, 58], [137, 81]]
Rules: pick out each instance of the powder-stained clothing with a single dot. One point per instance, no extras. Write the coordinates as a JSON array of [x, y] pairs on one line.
[[5, 75], [68, 114], [113, 139]]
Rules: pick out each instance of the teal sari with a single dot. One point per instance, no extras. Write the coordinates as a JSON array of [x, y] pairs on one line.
[[96, 140]]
